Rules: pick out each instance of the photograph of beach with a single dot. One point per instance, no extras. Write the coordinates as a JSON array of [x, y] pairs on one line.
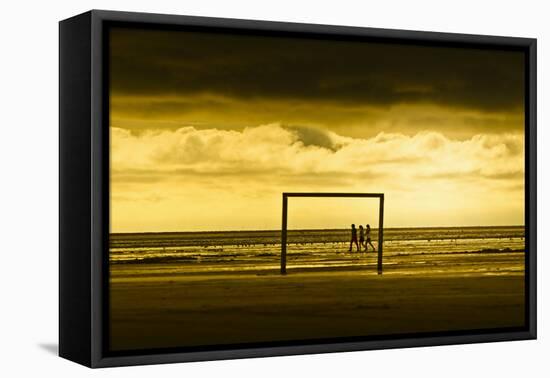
[[209, 129]]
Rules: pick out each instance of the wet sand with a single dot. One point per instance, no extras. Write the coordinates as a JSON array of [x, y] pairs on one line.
[[173, 310]]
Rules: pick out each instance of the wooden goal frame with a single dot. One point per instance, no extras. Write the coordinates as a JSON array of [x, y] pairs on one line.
[[380, 196]]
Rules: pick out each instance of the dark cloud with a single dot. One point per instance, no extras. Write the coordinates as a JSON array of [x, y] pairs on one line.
[[148, 62], [311, 136]]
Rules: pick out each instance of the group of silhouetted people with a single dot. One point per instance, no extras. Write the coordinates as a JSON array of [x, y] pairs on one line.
[[362, 242]]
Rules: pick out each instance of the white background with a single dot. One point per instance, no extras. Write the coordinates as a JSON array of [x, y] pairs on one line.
[[29, 208]]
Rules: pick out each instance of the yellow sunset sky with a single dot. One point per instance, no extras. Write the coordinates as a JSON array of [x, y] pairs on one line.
[[207, 130]]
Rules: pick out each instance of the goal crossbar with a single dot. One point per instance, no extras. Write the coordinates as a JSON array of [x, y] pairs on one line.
[[380, 196]]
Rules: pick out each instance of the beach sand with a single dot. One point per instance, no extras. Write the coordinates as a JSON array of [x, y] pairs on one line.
[[170, 310]]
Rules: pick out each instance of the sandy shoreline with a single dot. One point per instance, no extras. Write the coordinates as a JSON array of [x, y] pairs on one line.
[[172, 311]]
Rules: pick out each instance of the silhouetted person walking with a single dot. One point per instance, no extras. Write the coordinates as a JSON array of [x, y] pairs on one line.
[[353, 238], [369, 242], [361, 237]]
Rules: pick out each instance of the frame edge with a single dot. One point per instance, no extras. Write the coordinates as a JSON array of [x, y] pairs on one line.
[[74, 191]]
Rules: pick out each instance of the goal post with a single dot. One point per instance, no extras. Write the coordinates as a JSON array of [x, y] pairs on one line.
[[380, 197]]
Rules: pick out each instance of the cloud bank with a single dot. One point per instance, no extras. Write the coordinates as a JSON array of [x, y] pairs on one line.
[[212, 179], [274, 149]]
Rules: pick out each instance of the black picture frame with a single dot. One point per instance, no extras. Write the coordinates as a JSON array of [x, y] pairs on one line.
[[84, 187]]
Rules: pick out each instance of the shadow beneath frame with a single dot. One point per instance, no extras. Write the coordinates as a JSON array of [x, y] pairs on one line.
[[51, 348]]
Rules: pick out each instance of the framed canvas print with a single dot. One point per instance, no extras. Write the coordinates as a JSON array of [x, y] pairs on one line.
[[234, 188]]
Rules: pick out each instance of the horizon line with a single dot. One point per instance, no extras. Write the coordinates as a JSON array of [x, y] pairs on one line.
[[307, 229]]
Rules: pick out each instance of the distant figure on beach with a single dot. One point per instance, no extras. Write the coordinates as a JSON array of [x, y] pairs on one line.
[[353, 238], [368, 242], [361, 237]]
